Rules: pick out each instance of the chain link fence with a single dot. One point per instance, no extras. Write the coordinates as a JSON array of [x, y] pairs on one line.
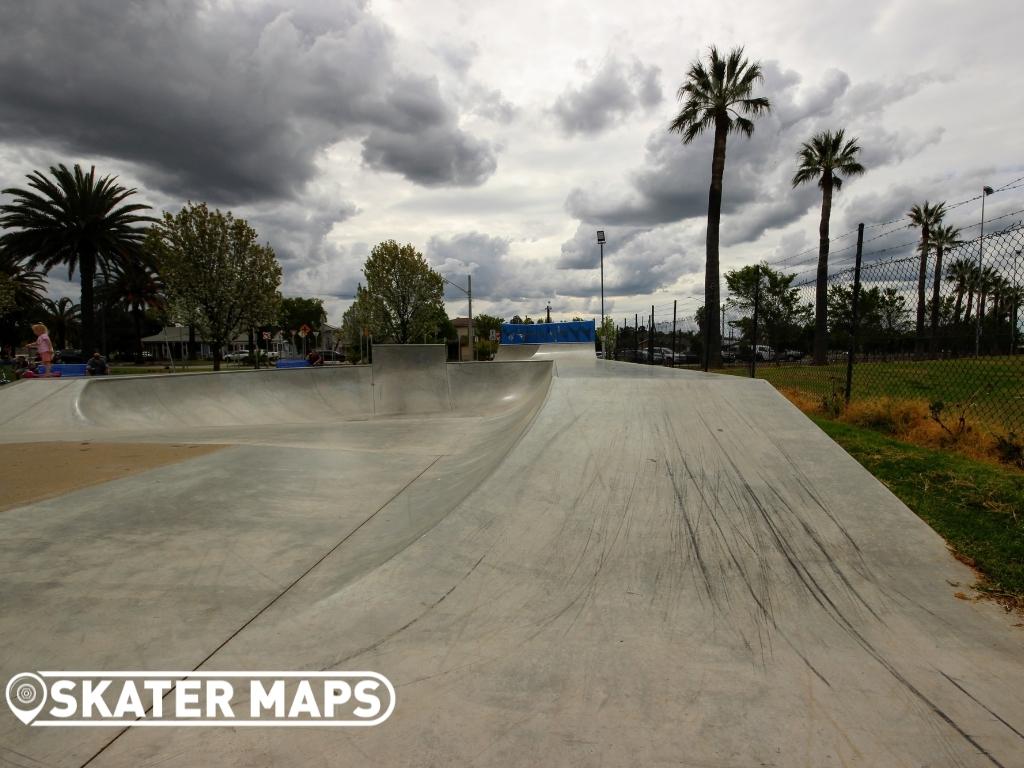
[[943, 326]]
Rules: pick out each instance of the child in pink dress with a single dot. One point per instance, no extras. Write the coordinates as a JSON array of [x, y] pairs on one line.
[[43, 346]]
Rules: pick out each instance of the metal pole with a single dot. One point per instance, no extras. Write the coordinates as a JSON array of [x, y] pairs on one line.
[[650, 340], [602, 286], [674, 302], [469, 292], [757, 304], [854, 315], [981, 250], [636, 337]]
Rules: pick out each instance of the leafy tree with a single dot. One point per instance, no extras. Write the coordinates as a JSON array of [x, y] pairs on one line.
[[7, 300], [136, 286], [960, 272], [893, 313], [482, 327], [296, 311], [403, 294], [780, 315], [718, 95], [942, 238], [827, 157], [607, 335], [927, 217], [73, 219], [62, 318], [217, 273]]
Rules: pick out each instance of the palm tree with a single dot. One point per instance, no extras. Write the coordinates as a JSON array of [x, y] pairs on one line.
[[973, 280], [827, 157], [136, 286], [942, 238], [62, 317], [958, 272], [718, 95], [72, 219], [927, 217]]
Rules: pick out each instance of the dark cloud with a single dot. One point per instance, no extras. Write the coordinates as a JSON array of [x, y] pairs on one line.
[[224, 101], [616, 90]]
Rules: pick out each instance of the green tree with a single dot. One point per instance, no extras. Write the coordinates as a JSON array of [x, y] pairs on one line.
[[7, 299], [73, 219], [927, 217], [780, 316], [942, 238], [62, 318], [217, 273], [607, 334], [828, 157], [404, 296], [297, 311], [135, 286], [960, 272], [482, 327], [718, 95]]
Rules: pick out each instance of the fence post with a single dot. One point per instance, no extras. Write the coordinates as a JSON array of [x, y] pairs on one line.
[[650, 340], [854, 314], [636, 337], [757, 307], [674, 302]]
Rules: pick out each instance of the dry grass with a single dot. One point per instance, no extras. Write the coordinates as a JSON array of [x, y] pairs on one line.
[[910, 421]]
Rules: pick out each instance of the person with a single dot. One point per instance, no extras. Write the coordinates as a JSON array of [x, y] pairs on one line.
[[43, 346], [315, 358], [20, 366], [97, 365]]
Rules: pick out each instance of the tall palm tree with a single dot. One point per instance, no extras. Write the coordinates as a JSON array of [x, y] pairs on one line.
[[927, 217], [958, 272], [942, 238], [973, 281], [62, 317], [827, 157], [718, 95], [136, 286], [74, 219]]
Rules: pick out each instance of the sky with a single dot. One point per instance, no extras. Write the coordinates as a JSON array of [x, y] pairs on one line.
[[497, 137]]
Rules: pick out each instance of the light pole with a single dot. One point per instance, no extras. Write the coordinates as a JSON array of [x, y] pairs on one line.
[[600, 242], [985, 192], [468, 290]]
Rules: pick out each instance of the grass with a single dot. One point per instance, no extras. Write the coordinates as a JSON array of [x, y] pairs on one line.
[[978, 508], [994, 385]]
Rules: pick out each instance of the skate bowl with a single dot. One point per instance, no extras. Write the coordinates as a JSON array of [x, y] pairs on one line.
[[557, 560]]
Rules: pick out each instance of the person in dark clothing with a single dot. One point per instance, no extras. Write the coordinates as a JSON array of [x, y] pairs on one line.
[[97, 365]]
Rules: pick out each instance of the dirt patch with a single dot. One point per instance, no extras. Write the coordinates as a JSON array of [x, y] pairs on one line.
[[34, 471]]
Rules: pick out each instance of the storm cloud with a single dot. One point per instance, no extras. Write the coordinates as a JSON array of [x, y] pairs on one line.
[[224, 101], [615, 91]]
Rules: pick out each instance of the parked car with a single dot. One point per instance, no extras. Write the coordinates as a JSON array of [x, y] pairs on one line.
[[789, 355], [331, 357], [236, 356]]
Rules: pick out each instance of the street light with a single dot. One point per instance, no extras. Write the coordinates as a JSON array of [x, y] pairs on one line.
[[468, 290], [600, 242], [985, 192]]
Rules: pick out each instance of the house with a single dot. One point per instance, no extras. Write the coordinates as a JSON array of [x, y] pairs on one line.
[[461, 325], [172, 341]]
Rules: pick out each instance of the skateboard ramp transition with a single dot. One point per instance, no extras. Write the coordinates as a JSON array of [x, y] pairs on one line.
[[556, 560]]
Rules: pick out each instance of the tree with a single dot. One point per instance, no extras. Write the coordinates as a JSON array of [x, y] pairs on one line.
[[718, 95], [28, 292], [482, 327], [780, 315], [960, 273], [297, 311], [827, 157], [7, 300], [892, 312], [217, 273], [607, 335], [135, 286], [942, 238], [63, 318], [73, 219], [404, 295], [927, 217]]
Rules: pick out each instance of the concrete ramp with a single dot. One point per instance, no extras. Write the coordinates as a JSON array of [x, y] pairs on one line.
[[557, 560]]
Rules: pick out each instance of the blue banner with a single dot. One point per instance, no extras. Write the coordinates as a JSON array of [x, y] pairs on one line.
[[574, 332]]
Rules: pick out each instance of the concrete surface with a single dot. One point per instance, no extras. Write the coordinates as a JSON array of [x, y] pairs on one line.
[[556, 560]]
